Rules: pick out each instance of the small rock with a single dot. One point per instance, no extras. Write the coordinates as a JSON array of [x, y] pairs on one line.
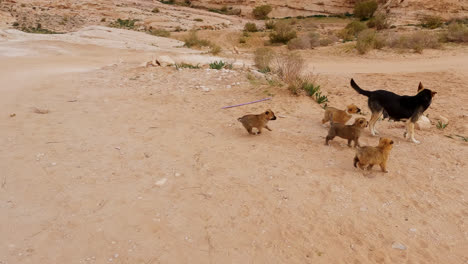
[[257, 74], [12, 115], [177, 174], [205, 89], [423, 123], [228, 86], [413, 229], [399, 246], [161, 182], [164, 61], [116, 255]]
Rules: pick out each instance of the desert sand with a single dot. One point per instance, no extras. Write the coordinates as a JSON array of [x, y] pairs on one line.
[[137, 164]]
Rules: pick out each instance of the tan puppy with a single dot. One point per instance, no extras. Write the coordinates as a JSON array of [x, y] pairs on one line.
[[258, 121], [349, 132], [339, 116], [370, 156]]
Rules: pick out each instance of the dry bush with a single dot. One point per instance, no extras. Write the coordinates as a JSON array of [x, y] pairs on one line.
[[215, 49], [289, 68], [263, 58], [192, 40], [379, 22], [261, 12], [328, 40], [270, 24], [417, 41], [365, 9], [369, 39], [352, 30], [314, 39], [299, 43], [160, 32], [250, 27], [432, 22], [282, 33], [457, 32]]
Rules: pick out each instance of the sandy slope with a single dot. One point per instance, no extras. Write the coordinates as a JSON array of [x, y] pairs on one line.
[[85, 183]]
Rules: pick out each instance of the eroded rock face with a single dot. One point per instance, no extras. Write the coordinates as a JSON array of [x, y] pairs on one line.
[[402, 11]]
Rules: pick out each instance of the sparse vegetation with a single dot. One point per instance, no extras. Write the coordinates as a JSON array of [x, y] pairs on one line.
[[352, 30], [457, 32], [225, 10], [378, 22], [124, 23], [365, 9], [270, 24], [168, 2], [263, 58], [198, 20], [299, 43], [250, 27], [261, 12], [192, 40], [155, 10], [218, 65], [432, 22], [368, 40], [282, 33], [160, 32], [186, 65], [38, 30], [289, 68], [441, 125], [417, 41], [215, 49]]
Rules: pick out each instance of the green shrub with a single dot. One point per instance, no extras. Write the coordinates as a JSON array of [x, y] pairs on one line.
[[263, 58], [261, 12], [198, 20], [250, 27], [270, 24], [160, 32], [432, 22], [378, 22], [218, 65], [187, 65], [168, 2], [310, 88], [365, 9], [282, 33], [352, 30]]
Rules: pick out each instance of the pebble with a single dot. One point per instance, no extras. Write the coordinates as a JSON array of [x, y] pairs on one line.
[[161, 182], [177, 174], [228, 86], [399, 246], [413, 229]]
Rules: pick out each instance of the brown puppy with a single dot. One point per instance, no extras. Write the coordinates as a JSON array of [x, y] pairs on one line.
[[259, 121], [370, 156], [349, 132], [339, 116]]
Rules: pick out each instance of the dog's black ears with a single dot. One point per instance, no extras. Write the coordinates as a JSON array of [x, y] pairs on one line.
[[391, 142], [420, 87]]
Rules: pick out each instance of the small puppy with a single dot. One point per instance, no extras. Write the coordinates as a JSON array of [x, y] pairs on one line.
[[258, 121], [349, 132], [370, 156], [340, 116]]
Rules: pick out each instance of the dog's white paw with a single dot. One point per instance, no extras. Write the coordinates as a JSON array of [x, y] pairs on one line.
[[415, 141]]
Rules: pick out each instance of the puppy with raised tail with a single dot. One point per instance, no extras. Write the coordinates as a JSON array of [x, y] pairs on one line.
[[339, 116], [258, 121], [349, 132], [369, 156]]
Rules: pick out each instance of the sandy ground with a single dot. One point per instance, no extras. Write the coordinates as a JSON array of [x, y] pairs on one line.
[[140, 165]]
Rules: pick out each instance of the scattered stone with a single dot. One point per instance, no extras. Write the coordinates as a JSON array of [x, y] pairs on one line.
[[205, 89], [228, 86], [161, 182], [397, 245], [12, 115], [164, 61], [413, 229], [177, 174], [423, 123], [40, 111], [257, 74]]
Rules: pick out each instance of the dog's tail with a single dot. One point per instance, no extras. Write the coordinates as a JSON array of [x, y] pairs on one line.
[[356, 160], [359, 90]]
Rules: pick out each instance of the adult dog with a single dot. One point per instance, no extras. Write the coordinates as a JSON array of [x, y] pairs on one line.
[[397, 107]]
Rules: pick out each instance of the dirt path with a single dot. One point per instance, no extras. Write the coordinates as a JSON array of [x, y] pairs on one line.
[[140, 165]]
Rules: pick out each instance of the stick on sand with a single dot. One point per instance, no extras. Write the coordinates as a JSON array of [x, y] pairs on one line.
[[269, 98]]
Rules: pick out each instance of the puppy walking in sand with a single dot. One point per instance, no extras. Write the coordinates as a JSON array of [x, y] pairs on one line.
[[349, 132], [258, 121], [369, 156], [339, 116]]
